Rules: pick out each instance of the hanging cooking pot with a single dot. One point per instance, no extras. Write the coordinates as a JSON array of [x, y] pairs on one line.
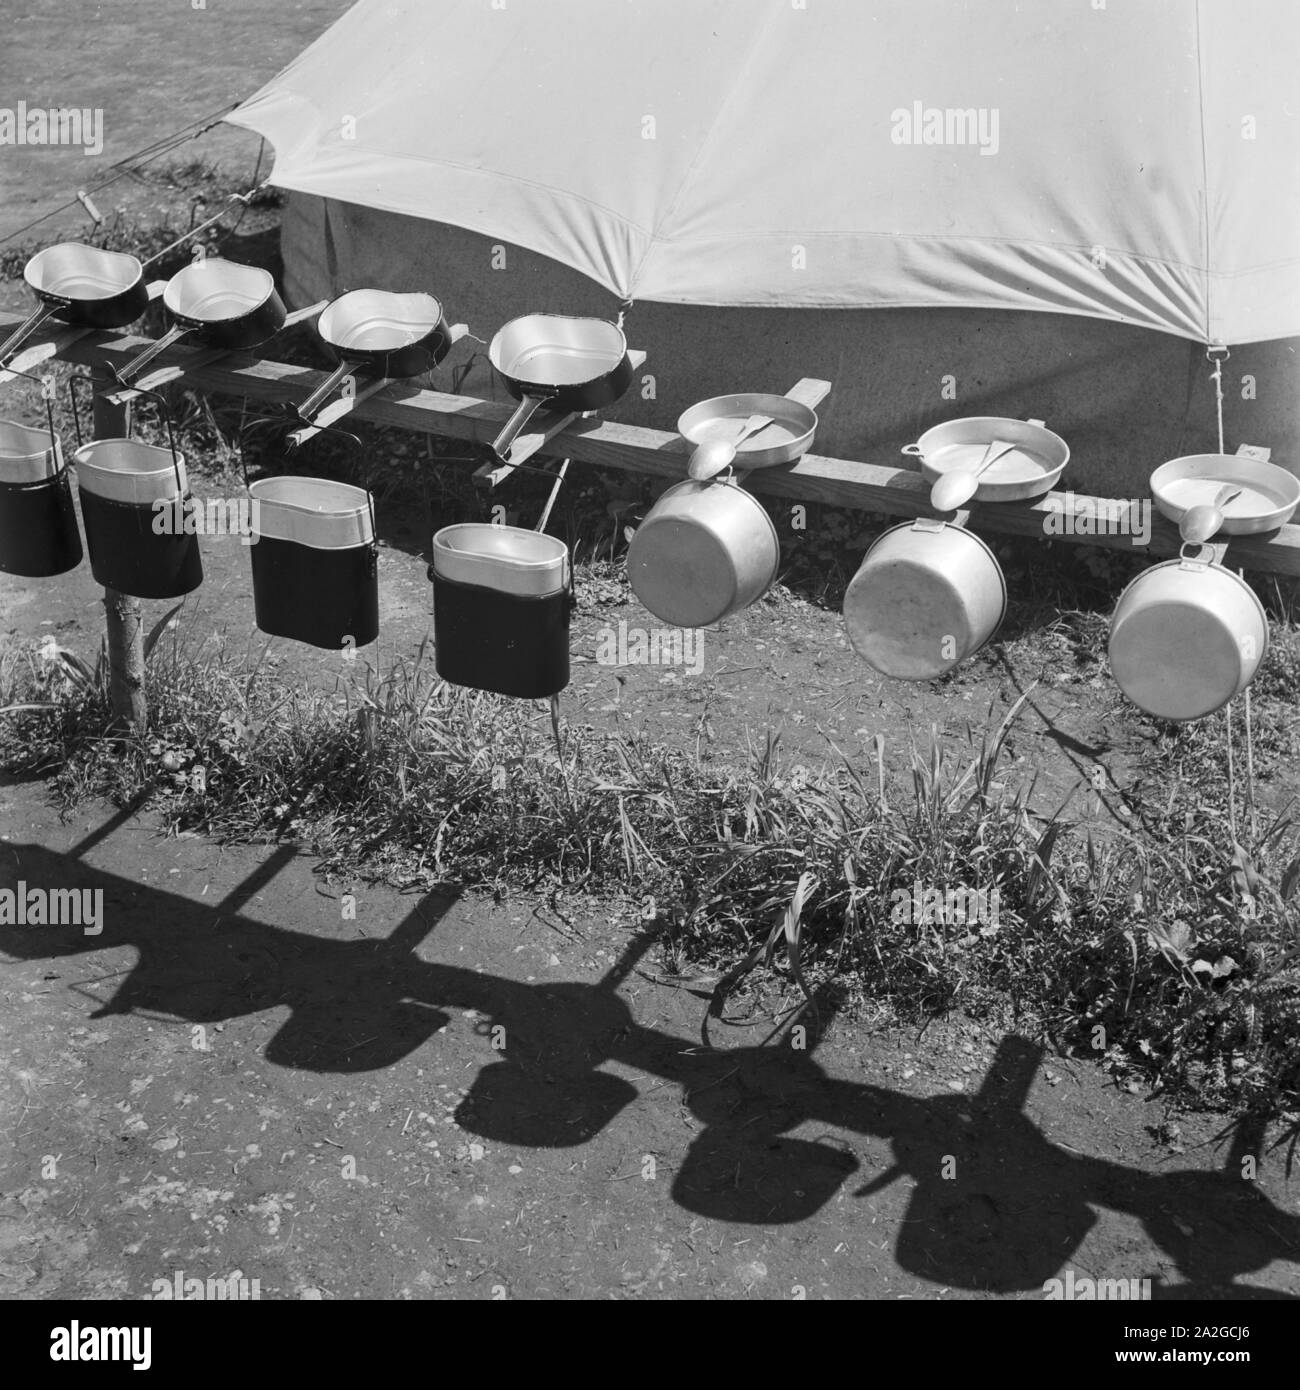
[[315, 562], [502, 598], [382, 333], [38, 521], [1186, 637], [570, 364], [138, 514], [226, 305], [83, 286], [1029, 469], [927, 595], [704, 551]]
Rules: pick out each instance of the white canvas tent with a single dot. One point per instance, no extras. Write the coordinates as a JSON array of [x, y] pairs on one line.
[[947, 207]]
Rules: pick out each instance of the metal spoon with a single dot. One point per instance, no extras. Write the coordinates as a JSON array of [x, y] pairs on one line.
[[713, 455], [953, 489], [1201, 522]]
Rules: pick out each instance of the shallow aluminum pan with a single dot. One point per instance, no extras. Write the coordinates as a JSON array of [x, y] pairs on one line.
[[558, 350], [1269, 494], [124, 470], [315, 512], [509, 559], [1030, 470], [788, 437], [72, 270], [28, 455], [217, 291], [378, 320]]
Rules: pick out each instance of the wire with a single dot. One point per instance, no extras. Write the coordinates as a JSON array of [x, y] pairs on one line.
[[131, 163]]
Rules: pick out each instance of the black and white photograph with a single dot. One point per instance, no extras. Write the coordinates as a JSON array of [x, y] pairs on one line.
[[649, 652]]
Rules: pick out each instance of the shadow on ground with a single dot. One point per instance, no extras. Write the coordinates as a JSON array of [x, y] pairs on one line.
[[995, 1206]]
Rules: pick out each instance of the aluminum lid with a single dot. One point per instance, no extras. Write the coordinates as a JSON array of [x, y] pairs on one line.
[[28, 455], [510, 559], [316, 512], [125, 470]]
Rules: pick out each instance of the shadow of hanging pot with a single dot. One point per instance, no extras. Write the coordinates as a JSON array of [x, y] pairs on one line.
[[38, 521], [732, 1174], [315, 562], [512, 1105], [138, 514]]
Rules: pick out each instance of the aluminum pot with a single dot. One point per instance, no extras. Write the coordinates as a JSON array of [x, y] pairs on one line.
[[225, 304], [128, 493], [927, 595], [315, 562], [1186, 637], [704, 551], [382, 332], [38, 522], [84, 286], [502, 602], [569, 364]]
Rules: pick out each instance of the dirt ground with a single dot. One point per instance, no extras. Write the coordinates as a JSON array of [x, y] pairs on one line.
[[237, 1075]]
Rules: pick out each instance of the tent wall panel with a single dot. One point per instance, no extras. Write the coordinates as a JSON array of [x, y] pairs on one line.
[[1125, 398]]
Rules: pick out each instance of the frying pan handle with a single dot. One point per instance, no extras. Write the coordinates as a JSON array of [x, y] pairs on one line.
[[810, 391], [25, 329], [136, 365], [524, 412], [308, 408], [912, 451]]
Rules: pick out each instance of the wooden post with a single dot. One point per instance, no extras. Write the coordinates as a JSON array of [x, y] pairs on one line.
[[122, 619]]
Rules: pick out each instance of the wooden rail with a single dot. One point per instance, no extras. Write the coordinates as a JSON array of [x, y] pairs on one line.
[[885, 488]]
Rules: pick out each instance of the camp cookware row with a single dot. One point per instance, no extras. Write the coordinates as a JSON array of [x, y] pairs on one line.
[[1186, 635]]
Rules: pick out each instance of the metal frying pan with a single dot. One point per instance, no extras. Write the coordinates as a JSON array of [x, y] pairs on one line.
[[1030, 470], [570, 364], [1268, 494], [383, 333], [788, 437], [226, 304], [82, 285]]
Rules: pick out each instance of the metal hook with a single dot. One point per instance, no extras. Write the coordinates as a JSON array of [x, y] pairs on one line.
[[73, 378], [171, 439]]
